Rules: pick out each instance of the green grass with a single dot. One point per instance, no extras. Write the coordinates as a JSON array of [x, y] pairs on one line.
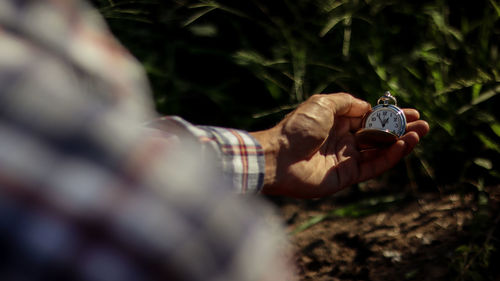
[[362, 208]]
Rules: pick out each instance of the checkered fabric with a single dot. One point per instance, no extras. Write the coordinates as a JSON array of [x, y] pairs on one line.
[[240, 156], [87, 192]]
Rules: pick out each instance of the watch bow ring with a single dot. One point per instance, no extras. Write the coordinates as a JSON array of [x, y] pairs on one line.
[[383, 125]]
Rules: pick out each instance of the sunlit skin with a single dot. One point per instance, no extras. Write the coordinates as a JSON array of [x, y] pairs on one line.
[[312, 152]]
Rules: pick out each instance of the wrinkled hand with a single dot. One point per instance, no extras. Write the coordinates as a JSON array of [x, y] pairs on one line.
[[313, 152]]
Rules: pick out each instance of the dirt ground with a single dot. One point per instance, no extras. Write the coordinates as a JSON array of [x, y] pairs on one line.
[[393, 237]]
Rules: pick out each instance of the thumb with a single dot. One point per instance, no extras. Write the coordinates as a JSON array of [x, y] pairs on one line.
[[346, 105]]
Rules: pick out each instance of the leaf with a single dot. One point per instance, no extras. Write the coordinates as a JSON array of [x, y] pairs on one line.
[[215, 5], [440, 22], [427, 168], [245, 57], [413, 71], [411, 274], [332, 22], [485, 163], [198, 15], [495, 5], [429, 56], [463, 249], [274, 90], [274, 111], [489, 143], [312, 221], [448, 127], [355, 210], [130, 11], [379, 69], [476, 90], [329, 6], [204, 30], [481, 98], [438, 80], [486, 96], [495, 127]]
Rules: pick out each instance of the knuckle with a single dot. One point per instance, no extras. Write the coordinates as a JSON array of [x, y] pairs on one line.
[[317, 98], [321, 100]]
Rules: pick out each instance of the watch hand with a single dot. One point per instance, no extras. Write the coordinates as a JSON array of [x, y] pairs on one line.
[[378, 115], [382, 121]]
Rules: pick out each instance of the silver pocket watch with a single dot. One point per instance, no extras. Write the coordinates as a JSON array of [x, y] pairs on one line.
[[383, 125]]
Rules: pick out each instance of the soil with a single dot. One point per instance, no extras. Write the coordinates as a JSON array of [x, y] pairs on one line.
[[421, 236]]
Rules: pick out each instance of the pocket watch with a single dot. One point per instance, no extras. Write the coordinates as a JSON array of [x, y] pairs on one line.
[[383, 125]]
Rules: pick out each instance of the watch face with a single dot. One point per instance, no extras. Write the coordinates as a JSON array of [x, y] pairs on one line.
[[387, 118]]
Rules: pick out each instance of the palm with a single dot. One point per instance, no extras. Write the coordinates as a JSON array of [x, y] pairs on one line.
[[332, 167]]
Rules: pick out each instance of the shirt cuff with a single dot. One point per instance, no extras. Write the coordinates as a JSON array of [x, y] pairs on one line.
[[241, 155]]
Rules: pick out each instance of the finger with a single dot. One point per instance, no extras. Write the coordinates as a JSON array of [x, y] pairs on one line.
[[380, 160], [411, 139], [370, 154], [346, 105], [376, 161], [415, 131], [355, 123], [411, 114], [420, 127], [344, 125]]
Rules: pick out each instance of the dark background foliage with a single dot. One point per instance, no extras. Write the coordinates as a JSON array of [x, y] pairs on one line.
[[247, 63]]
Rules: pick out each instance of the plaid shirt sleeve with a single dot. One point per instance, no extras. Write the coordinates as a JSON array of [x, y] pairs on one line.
[[87, 193], [240, 155]]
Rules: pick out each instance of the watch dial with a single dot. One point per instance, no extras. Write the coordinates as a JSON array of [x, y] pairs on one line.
[[386, 119]]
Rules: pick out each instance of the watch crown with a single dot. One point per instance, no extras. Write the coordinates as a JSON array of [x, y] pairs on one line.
[[386, 98]]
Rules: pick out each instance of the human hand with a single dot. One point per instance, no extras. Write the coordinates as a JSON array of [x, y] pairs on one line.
[[313, 152]]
